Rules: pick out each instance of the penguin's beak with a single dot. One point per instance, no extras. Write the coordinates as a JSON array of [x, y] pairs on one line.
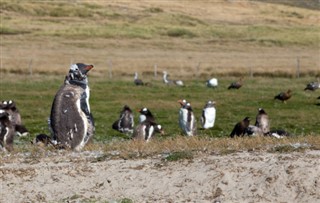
[[88, 67]]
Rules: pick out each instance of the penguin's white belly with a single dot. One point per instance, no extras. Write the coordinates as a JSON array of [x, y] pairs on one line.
[[85, 126], [210, 117]]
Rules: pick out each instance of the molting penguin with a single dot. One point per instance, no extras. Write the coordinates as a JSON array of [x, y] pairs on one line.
[[71, 121], [187, 119], [125, 122], [7, 131], [262, 121], [145, 114], [146, 130], [240, 128], [14, 116], [208, 115]]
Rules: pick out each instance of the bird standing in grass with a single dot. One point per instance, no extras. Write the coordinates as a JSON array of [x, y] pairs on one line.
[[208, 116], [71, 121], [14, 116], [236, 84], [284, 96], [240, 128], [187, 120], [125, 123], [262, 121], [7, 131]]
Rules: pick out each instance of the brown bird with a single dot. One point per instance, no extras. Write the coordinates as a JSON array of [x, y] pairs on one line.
[[284, 96], [236, 85], [240, 128]]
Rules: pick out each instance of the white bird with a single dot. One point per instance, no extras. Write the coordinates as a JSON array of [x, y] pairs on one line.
[[208, 115], [213, 82], [171, 82]]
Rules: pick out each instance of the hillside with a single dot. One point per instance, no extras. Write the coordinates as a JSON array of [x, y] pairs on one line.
[[216, 38]]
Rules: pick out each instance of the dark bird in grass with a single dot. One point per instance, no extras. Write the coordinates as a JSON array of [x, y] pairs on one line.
[[313, 85], [71, 121], [236, 84], [262, 121], [240, 128], [146, 130], [14, 116], [136, 80], [7, 131], [125, 122], [284, 96]]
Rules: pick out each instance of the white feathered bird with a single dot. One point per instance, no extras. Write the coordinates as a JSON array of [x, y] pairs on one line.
[[208, 115]]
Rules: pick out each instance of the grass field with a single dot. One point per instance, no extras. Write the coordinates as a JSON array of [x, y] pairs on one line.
[[193, 41]]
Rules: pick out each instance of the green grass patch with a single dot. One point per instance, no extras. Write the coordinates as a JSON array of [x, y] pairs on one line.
[[176, 156]]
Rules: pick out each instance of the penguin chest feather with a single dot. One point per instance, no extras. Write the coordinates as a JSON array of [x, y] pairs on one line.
[[208, 117], [69, 116]]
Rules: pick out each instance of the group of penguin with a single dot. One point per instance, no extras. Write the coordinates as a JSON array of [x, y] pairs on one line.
[[72, 126]]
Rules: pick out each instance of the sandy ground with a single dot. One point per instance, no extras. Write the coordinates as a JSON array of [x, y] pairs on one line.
[[93, 177]]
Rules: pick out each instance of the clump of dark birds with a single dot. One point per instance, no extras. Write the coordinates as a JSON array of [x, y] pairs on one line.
[[72, 126]]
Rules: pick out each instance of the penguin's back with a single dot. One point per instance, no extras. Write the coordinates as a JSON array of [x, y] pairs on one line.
[[67, 120]]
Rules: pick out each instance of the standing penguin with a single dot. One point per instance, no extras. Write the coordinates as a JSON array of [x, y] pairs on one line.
[[14, 116], [71, 121], [145, 114], [125, 122], [7, 131], [146, 130], [262, 121], [208, 115], [187, 119]]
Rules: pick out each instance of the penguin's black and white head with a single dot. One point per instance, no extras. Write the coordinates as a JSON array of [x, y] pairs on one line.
[[261, 111], [8, 105], [3, 114], [210, 104], [78, 72], [188, 106], [182, 102]]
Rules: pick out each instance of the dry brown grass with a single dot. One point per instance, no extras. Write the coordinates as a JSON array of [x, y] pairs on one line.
[[49, 53]]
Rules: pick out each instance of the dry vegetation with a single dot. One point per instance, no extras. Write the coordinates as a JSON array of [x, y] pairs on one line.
[[217, 38]]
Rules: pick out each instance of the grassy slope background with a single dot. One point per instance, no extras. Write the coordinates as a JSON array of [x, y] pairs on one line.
[[192, 40]]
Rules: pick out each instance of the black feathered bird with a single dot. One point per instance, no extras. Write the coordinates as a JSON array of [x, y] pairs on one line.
[[125, 123], [7, 131], [240, 128], [145, 114], [146, 130], [14, 116], [236, 84], [71, 121]]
